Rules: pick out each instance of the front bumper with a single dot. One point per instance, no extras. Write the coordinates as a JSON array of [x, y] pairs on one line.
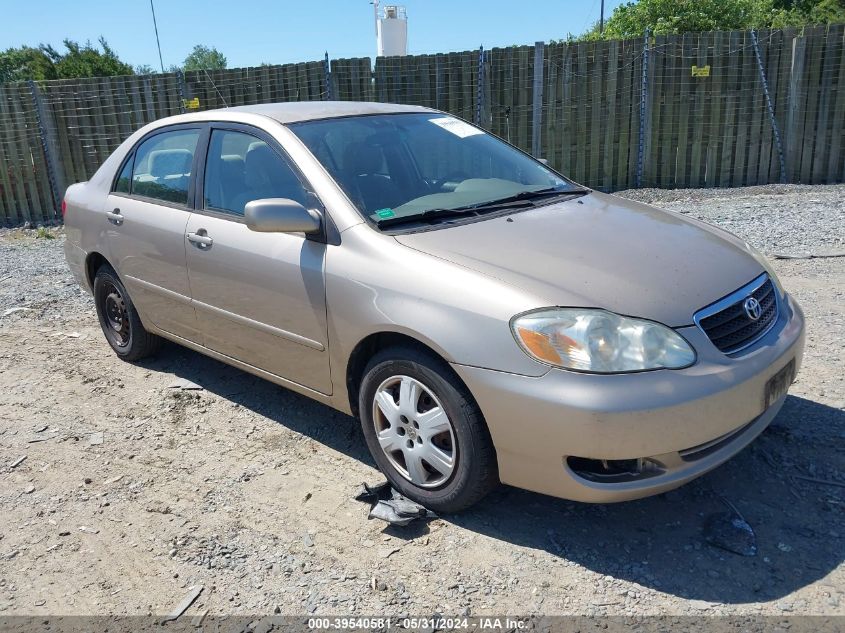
[[689, 421]]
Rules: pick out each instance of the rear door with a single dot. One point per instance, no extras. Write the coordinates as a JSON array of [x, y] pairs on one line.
[[147, 211], [260, 297]]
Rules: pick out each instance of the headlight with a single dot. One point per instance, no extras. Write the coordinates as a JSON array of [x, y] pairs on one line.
[[599, 341]]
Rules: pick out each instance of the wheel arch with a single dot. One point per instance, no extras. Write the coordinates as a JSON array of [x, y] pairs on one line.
[[93, 262], [372, 344]]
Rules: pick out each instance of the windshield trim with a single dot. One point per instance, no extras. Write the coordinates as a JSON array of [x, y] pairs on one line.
[[578, 189]]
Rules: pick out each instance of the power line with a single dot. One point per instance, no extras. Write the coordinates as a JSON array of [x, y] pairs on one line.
[[158, 44], [601, 19]]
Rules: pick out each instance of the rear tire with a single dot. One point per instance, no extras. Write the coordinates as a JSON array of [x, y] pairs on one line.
[[425, 431], [119, 319]]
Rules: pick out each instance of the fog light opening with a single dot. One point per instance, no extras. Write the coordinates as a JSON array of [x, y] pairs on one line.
[[614, 470]]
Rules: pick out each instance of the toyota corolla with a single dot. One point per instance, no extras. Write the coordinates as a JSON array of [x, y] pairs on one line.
[[486, 319]]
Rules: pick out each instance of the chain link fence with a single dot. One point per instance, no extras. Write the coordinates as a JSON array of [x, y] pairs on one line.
[[718, 109]]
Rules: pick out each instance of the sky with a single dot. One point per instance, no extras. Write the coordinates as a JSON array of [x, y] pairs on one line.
[[252, 32]]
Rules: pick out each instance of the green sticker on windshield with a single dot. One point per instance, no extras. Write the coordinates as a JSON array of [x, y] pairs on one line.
[[385, 213]]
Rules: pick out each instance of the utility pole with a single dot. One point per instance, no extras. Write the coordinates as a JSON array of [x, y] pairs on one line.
[[155, 25], [375, 4], [601, 19]]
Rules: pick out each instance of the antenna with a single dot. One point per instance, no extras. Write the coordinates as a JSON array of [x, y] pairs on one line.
[[158, 44]]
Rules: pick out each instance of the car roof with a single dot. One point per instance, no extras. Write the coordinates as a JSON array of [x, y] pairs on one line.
[[297, 111]]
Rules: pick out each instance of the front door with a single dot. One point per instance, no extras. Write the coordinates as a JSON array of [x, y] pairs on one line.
[[146, 214], [259, 297]]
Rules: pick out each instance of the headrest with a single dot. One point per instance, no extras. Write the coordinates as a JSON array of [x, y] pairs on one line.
[[232, 165], [170, 162], [255, 144], [361, 158], [232, 159], [259, 165]]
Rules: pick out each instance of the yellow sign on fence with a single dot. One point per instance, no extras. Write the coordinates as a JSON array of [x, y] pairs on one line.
[[194, 104], [701, 71]]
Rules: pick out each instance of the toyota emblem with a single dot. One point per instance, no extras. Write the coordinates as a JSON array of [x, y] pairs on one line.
[[752, 308]]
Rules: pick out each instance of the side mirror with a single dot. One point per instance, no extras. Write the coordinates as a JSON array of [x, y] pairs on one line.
[[280, 215]]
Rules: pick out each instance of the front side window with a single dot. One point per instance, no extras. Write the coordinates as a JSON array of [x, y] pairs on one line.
[[162, 168], [398, 167], [241, 168]]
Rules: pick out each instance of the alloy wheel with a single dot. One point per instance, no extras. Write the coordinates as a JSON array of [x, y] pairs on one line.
[[414, 431]]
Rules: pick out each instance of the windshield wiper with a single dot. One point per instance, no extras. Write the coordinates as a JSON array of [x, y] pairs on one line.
[[520, 199], [425, 216], [533, 194]]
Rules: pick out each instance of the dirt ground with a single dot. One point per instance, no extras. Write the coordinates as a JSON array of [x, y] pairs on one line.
[[132, 492]]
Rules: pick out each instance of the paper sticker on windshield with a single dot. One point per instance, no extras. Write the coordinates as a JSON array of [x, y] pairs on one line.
[[385, 213], [456, 126]]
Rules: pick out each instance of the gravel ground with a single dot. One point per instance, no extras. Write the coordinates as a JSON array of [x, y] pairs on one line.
[[132, 492], [777, 219]]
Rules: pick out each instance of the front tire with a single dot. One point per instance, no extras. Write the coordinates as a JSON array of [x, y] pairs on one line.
[[119, 318], [425, 431]]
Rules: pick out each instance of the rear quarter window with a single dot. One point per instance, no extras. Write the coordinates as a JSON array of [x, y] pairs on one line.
[[123, 184]]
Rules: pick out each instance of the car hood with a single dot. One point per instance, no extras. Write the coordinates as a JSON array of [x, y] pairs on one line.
[[601, 251]]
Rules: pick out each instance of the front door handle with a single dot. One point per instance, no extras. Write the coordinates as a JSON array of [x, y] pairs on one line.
[[115, 217], [200, 239]]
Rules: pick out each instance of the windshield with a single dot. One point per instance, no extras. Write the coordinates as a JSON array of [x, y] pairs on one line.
[[400, 166]]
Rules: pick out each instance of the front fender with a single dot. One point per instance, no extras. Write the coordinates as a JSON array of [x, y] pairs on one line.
[[375, 285]]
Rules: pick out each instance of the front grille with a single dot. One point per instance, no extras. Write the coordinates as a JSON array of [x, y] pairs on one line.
[[730, 328]]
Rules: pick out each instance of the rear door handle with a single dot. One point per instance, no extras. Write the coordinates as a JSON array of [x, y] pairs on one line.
[[115, 217], [200, 239]]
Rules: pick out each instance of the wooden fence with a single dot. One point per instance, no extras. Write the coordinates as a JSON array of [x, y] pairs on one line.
[[718, 109]]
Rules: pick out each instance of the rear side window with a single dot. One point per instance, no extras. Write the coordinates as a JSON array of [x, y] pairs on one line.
[[162, 166], [124, 180], [241, 168]]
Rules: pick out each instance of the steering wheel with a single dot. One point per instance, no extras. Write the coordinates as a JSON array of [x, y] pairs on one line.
[[454, 178]]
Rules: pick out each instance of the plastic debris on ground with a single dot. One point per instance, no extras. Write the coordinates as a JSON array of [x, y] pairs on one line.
[[187, 601], [391, 506], [730, 532], [185, 385]]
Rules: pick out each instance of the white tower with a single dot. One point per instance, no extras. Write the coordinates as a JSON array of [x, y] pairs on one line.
[[391, 29]]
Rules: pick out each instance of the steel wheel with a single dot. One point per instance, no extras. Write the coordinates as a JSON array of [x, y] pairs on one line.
[[115, 315], [119, 319], [414, 431]]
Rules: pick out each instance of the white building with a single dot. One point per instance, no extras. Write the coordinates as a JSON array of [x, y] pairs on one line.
[[391, 30]]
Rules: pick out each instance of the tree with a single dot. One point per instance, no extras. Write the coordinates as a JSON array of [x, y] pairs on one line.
[[45, 62], [145, 69], [800, 12], [20, 64], [86, 61], [664, 17], [204, 58], [667, 17]]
